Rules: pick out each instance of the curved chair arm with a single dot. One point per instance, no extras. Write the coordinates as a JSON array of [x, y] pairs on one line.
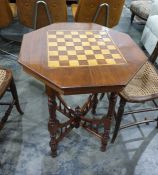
[[106, 6]]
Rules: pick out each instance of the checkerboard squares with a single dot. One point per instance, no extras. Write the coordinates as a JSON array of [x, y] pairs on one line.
[[101, 43], [73, 63], [107, 39], [62, 48], [52, 36], [110, 61], [97, 36], [92, 62], [63, 58], [79, 48], [53, 53], [76, 40], [53, 63], [71, 52], [85, 44], [74, 33], [95, 47], [83, 36], [91, 39], [81, 57], [60, 40], [67, 36], [105, 52], [89, 52], [52, 44], [111, 47], [99, 57], [59, 33], [116, 56], [69, 44]]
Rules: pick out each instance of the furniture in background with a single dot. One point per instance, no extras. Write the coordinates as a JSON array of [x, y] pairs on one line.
[[150, 33], [7, 84], [142, 88], [86, 10], [37, 13], [69, 2], [7, 13], [89, 53], [140, 8]]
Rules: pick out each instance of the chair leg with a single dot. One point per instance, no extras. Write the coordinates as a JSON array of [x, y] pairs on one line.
[[118, 119], [132, 17], [15, 96]]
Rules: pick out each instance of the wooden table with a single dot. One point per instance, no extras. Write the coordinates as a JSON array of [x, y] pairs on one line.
[[93, 59]]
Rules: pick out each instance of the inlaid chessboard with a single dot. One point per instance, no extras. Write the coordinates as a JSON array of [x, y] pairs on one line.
[[82, 48]]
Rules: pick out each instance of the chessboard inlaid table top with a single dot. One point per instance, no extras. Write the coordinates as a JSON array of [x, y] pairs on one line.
[[74, 58]]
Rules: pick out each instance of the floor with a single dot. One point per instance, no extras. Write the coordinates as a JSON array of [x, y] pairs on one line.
[[24, 142]]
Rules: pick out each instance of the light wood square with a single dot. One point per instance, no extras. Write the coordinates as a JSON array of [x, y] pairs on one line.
[[110, 61], [106, 51], [53, 53], [69, 44], [99, 56], [92, 62], [52, 44], [81, 57], [71, 52], [111, 47], [62, 48], [60, 40], [73, 63], [116, 56], [63, 57], [89, 52], [95, 47], [53, 64]]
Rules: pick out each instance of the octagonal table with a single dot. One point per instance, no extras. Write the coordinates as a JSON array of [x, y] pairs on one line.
[[79, 58]]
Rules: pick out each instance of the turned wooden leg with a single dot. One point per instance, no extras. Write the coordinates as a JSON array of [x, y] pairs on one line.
[[107, 121], [53, 124], [118, 119], [15, 96]]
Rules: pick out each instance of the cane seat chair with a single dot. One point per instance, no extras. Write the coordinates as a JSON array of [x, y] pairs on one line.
[[7, 84], [142, 88], [39, 13], [86, 10]]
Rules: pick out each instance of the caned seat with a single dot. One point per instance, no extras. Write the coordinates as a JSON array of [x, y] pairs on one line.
[[7, 84], [86, 10], [142, 88]]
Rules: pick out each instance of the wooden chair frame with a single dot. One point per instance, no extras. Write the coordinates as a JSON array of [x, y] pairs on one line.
[[123, 102], [9, 85]]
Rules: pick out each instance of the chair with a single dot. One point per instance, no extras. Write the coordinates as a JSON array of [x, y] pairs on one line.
[[39, 13], [142, 88], [150, 33], [7, 13], [86, 10], [7, 84], [141, 9]]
